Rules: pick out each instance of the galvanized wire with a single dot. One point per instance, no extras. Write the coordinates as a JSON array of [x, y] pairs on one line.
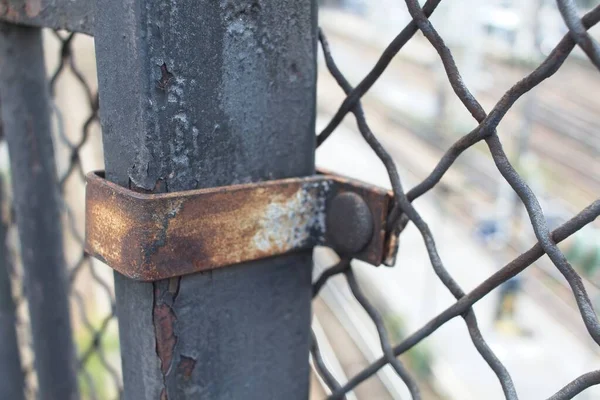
[[403, 212]]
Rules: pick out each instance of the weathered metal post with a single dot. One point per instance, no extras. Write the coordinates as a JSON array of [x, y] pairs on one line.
[[203, 93], [26, 121], [12, 383]]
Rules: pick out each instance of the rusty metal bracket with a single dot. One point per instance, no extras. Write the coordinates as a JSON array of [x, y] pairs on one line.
[[149, 237]]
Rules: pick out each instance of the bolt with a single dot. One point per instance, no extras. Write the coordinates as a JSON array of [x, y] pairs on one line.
[[349, 223]]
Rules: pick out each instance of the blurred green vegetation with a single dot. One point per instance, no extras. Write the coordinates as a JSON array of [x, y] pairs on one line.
[[94, 370], [419, 358]]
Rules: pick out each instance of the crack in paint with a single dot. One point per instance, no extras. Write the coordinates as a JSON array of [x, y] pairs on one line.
[[165, 321]]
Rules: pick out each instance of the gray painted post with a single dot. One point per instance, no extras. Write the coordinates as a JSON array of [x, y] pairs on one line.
[[204, 93], [12, 382], [26, 121]]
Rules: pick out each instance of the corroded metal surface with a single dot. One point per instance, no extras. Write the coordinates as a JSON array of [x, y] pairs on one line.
[[156, 236], [379, 200]]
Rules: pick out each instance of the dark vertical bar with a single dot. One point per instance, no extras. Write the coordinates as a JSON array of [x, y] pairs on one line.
[[202, 93], [26, 120], [12, 383]]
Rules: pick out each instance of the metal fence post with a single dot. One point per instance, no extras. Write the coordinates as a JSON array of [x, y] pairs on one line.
[[202, 93], [26, 120], [12, 384]]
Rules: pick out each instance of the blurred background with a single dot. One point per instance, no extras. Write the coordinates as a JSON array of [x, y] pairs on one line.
[[531, 322]]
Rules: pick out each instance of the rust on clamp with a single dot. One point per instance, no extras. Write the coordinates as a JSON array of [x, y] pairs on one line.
[[149, 237]]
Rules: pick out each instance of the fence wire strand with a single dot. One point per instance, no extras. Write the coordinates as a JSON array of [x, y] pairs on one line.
[[97, 327], [403, 212]]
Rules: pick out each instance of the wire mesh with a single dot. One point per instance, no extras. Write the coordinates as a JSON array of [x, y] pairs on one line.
[[404, 212], [78, 150], [99, 360]]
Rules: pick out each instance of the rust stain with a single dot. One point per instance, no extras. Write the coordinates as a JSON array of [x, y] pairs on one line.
[[108, 224], [223, 229], [164, 329], [186, 366], [164, 321], [33, 8]]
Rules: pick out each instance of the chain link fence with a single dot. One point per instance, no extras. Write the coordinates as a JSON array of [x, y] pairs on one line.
[[78, 150], [404, 212]]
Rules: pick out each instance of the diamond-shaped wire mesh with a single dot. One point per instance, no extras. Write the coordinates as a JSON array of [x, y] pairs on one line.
[[78, 147], [404, 212]]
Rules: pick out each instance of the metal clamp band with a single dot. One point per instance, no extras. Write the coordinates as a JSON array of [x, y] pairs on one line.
[[150, 237]]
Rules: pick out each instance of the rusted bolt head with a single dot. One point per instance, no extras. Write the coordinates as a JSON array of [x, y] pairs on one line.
[[349, 223]]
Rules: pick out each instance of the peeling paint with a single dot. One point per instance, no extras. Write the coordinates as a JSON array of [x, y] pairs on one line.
[[164, 321], [138, 172], [289, 224], [186, 366], [162, 221], [165, 325], [165, 77]]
